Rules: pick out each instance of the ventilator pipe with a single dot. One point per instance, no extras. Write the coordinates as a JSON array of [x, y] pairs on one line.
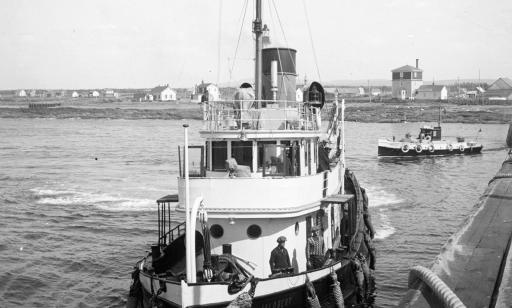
[[442, 292], [191, 241], [273, 79]]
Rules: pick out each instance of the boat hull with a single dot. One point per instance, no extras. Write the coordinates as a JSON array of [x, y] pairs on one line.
[[268, 293], [393, 151]]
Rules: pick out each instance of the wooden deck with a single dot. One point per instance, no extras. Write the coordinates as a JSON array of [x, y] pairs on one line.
[[476, 263]]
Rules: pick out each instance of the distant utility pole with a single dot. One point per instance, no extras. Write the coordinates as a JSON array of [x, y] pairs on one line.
[[369, 91], [458, 86]]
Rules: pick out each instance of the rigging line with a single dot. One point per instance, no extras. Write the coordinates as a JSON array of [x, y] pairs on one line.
[[282, 31], [244, 9], [219, 41], [311, 39], [287, 46]]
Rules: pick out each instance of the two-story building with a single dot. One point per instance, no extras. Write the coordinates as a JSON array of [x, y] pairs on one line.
[[406, 80]]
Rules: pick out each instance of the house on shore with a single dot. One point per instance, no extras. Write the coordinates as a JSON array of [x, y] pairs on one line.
[[21, 93], [161, 93], [405, 81], [501, 89], [299, 95], [205, 92], [432, 92], [75, 94], [109, 93], [94, 93]]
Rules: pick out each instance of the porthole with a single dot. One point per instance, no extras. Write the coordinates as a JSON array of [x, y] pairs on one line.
[[297, 228], [254, 231], [216, 231]]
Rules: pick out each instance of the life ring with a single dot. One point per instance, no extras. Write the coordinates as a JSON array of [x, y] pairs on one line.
[[405, 148], [431, 148], [428, 138], [418, 149], [461, 148], [450, 147]]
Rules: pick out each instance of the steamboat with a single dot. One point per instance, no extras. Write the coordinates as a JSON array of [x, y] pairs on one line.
[[273, 218]]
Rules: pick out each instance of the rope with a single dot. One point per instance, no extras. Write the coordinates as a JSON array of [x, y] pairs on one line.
[[440, 290], [501, 176], [311, 40], [219, 41], [244, 9]]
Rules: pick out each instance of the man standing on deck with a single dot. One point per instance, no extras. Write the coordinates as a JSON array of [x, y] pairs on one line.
[[315, 249], [279, 258]]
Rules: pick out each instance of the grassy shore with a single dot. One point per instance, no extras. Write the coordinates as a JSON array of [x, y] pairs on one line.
[[388, 112]]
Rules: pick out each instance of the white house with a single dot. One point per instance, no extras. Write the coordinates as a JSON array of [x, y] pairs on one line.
[[94, 94], [203, 89], [376, 92], [22, 93], [432, 92], [75, 94], [299, 95], [161, 93], [110, 93]]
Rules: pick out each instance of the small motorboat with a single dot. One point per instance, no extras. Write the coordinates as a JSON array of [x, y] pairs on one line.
[[428, 143]]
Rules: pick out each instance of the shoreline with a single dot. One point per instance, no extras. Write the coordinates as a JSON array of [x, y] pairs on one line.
[[354, 112]]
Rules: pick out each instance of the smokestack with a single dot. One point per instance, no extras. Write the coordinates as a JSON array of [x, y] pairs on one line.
[[417, 61]]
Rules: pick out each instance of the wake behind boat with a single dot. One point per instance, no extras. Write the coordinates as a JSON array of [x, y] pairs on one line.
[[276, 219]]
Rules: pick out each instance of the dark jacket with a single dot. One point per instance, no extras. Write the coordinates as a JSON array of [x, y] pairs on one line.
[[279, 259]]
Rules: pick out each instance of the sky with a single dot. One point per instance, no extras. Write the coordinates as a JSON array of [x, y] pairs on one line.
[[75, 44]]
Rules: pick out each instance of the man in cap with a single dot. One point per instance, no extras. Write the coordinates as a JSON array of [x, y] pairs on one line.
[[315, 249], [279, 258]]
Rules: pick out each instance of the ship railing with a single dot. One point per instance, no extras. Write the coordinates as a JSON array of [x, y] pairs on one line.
[[166, 234], [169, 236], [260, 115]]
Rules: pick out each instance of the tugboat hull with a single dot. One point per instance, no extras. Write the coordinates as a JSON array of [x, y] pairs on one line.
[[286, 291]]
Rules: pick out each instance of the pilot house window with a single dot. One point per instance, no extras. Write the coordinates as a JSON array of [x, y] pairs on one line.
[[241, 151], [219, 155]]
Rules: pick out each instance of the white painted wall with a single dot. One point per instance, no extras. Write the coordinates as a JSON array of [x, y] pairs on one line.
[[260, 194], [168, 95]]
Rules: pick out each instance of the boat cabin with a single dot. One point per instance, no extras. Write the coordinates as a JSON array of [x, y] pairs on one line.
[[433, 132], [257, 158]]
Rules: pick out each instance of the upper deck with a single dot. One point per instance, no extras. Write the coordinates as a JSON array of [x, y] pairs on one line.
[[260, 116]]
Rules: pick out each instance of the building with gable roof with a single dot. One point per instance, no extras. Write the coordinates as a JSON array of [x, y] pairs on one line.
[[501, 89], [406, 80], [434, 92], [162, 93], [205, 92]]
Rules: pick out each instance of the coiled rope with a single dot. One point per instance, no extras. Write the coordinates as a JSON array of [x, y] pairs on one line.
[[438, 287]]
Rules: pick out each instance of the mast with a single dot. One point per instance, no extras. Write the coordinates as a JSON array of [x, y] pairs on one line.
[[439, 119], [257, 30]]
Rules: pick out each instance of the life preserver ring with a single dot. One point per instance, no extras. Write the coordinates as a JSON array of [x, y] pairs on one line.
[[428, 138], [431, 148], [405, 148], [418, 149], [461, 148], [450, 147]]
